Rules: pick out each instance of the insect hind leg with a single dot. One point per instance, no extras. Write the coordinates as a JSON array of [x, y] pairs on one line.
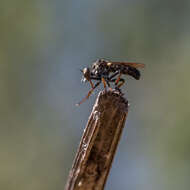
[[122, 81], [119, 84]]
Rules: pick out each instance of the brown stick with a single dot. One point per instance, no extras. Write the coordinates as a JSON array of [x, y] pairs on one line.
[[99, 142]]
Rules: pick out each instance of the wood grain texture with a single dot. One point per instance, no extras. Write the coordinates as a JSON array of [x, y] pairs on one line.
[[99, 142]]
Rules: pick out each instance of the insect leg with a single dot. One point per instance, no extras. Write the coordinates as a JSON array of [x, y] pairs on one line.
[[93, 78], [89, 93], [118, 79], [116, 73], [92, 85], [119, 85], [122, 82], [104, 82], [107, 82], [110, 79]]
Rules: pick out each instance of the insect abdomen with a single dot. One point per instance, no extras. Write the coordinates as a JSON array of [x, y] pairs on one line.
[[133, 72]]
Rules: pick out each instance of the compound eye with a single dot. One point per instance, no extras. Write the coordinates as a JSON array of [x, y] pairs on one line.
[[86, 73], [85, 70]]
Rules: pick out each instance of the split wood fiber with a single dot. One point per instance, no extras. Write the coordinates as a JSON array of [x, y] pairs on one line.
[[99, 142]]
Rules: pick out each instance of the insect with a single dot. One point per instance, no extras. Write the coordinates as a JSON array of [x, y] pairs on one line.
[[107, 72]]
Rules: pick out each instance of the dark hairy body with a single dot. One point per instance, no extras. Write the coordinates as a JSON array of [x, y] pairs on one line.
[[110, 72], [103, 68]]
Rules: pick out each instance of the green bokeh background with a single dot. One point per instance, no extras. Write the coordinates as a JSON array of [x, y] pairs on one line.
[[43, 44]]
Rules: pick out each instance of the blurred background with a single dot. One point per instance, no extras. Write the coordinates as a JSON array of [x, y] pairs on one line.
[[43, 46]]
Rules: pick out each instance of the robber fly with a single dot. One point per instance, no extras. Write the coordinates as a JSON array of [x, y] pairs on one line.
[[109, 72]]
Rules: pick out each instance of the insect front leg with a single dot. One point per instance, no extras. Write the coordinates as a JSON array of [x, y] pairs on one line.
[[92, 85], [93, 78], [89, 93]]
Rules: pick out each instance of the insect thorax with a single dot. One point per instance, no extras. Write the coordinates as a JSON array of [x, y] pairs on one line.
[[100, 68]]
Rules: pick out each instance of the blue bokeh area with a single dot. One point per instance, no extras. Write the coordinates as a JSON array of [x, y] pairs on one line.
[[44, 44]]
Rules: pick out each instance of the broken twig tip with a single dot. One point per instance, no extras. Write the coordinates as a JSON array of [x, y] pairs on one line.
[[99, 142]]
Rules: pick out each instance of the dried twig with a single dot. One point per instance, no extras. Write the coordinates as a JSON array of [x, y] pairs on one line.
[[99, 142]]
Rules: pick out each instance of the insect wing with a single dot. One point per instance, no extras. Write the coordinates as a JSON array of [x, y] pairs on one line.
[[132, 64]]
